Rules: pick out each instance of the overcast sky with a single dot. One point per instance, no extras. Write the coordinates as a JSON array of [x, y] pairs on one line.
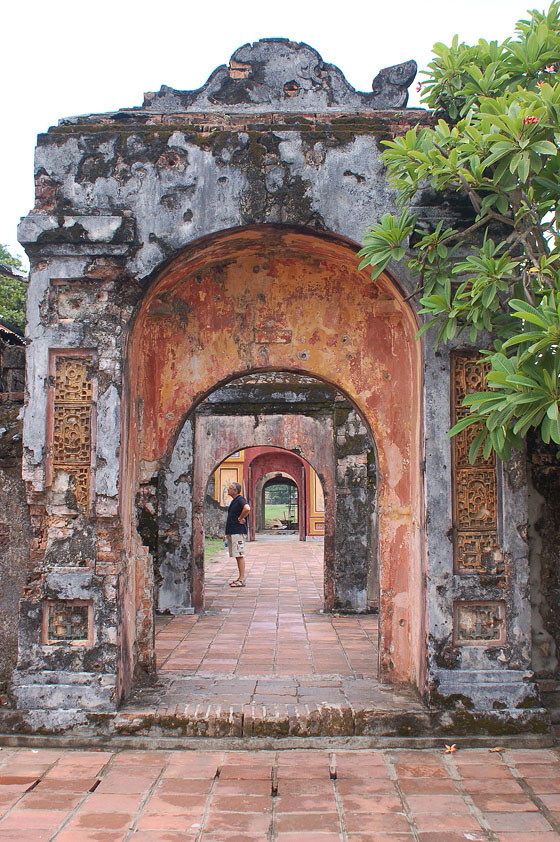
[[62, 58]]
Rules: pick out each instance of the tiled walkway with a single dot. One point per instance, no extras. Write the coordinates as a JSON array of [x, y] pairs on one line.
[[273, 626], [269, 645], [290, 796]]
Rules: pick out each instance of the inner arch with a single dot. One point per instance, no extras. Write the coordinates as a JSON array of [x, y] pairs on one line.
[[266, 298]]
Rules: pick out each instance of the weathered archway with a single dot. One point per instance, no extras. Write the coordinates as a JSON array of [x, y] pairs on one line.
[[266, 479], [269, 297]]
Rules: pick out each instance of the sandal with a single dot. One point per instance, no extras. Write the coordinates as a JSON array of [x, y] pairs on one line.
[[237, 583]]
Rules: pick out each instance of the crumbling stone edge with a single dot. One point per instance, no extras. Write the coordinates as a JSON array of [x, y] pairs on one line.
[[294, 723]]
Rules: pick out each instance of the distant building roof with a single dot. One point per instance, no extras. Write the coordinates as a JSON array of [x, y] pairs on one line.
[[11, 272], [10, 334]]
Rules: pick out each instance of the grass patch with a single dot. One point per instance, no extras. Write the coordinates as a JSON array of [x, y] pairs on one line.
[[212, 549], [279, 511]]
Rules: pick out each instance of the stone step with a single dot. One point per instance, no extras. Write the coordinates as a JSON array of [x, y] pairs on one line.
[[203, 722]]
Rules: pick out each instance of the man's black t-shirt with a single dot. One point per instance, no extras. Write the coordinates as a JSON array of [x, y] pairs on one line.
[[233, 527]]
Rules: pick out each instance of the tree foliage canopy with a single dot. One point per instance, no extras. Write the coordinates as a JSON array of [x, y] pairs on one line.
[[495, 140], [12, 293]]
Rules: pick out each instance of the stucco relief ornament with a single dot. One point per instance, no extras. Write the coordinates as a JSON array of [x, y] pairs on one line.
[[277, 74]]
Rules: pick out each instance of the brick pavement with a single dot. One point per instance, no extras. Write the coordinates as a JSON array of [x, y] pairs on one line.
[[273, 626], [265, 659], [284, 796]]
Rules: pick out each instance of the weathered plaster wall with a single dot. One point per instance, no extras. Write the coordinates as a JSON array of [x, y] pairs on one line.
[[15, 565], [544, 535], [467, 677], [214, 514], [355, 503]]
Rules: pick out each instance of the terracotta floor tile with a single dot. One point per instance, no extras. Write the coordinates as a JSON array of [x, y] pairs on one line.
[[245, 773], [19, 835], [100, 820], [543, 785], [305, 823], [382, 837], [309, 837], [243, 803], [506, 803], [427, 786], [104, 802], [31, 819], [240, 822], [371, 803], [120, 784], [409, 770], [436, 804], [388, 823], [174, 802], [453, 836], [539, 770], [271, 625], [303, 803], [462, 822], [241, 787], [56, 785], [490, 771], [49, 800], [169, 821], [162, 836], [312, 786], [517, 822], [232, 836], [73, 835], [546, 836], [17, 780]]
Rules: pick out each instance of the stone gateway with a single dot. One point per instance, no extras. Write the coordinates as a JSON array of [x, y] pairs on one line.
[[200, 238]]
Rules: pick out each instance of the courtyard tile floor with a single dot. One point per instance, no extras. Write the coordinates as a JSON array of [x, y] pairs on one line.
[[272, 626], [288, 796], [265, 659]]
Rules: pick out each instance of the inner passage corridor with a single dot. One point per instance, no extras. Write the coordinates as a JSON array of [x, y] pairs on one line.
[[268, 650], [274, 626]]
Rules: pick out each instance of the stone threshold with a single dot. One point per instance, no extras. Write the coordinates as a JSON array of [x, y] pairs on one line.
[[296, 723], [525, 741]]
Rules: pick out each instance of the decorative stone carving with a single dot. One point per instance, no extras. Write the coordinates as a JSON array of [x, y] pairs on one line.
[[71, 453], [475, 486], [479, 623], [275, 74], [66, 621], [476, 499]]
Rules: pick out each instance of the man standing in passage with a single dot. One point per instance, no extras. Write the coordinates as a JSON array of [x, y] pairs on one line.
[[236, 529]]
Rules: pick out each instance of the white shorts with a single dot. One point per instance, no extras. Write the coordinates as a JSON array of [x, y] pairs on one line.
[[236, 546]]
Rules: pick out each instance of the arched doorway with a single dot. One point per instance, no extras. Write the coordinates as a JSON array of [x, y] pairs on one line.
[[279, 502], [264, 298], [324, 445]]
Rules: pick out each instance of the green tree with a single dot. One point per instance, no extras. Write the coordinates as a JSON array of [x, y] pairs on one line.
[[12, 292], [495, 140]]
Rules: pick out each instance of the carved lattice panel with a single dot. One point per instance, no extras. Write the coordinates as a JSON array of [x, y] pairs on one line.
[[476, 499], [72, 433], [72, 382], [475, 486], [72, 415], [67, 622], [470, 376], [475, 550], [479, 623]]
